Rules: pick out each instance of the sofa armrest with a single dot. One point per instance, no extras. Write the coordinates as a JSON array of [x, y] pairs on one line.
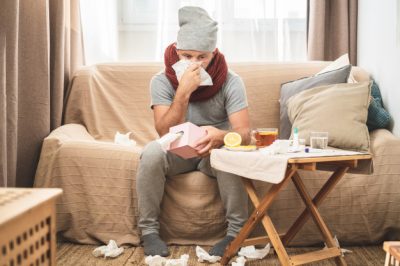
[[73, 144], [98, 179], [385, 149], [384, 142], [70, 132]]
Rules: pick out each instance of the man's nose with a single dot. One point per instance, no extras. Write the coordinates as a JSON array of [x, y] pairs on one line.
[[195, 61]]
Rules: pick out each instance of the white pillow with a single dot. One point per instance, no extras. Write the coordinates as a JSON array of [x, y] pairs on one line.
[[339, 63]]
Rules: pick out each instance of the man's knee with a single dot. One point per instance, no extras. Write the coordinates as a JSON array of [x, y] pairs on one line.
[[153, 154], [229, 179], [152, 164]]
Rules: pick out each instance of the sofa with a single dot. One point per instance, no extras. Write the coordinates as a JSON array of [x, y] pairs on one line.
[[99, 202]]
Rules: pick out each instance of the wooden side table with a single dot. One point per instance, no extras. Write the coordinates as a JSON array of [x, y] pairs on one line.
[[28, 226], [343, 163], [392, 249]]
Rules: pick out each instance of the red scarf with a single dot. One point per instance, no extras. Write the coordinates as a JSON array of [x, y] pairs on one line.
[[217, 69]]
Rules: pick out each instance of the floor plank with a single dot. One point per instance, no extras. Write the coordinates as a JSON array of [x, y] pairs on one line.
[[74, 254]]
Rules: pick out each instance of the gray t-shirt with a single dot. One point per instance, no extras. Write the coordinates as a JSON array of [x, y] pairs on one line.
[[230, 98]]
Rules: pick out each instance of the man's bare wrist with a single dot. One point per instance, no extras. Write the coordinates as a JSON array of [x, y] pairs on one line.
[[182, 97]]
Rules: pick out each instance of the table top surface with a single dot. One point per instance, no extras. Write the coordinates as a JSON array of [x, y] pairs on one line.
[[337, 158], [16, 201], [395, 252], [270, 167]]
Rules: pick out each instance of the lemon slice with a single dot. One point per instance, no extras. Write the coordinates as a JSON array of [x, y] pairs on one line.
[[232, 139]]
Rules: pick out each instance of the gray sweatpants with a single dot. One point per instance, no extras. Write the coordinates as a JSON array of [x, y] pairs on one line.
[[155, 166]]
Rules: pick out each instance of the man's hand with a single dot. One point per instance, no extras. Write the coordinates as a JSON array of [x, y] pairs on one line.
[[190, 80], [168, 116], [213, 139]]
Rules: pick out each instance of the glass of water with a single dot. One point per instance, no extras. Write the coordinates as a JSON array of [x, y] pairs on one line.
[[319, 140]]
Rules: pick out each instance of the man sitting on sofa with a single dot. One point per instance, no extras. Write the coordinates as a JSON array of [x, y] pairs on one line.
[[218, 108]]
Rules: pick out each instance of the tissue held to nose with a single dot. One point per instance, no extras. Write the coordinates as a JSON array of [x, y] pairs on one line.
[[181, 66]]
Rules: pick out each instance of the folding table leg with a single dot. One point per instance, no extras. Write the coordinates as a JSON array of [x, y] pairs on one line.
[[317, 200], [316, 216], [258, 214], [276, 241], [273, 235]]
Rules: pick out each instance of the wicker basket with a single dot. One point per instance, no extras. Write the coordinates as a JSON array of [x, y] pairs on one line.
[[27, 226]]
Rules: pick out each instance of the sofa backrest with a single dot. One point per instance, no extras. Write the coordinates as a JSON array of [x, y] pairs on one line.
[[115, 97]]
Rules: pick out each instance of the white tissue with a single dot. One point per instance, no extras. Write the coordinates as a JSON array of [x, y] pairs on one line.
[[123, 139], [342, 250], [251, 252], [270, 150], [203, 255], [160, 261], [156, 260], [277, 147], [111, 250], [166, 140], [182, 261], [181, 66], [240, 261]]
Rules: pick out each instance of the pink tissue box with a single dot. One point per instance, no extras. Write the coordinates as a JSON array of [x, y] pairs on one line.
[[184, 146]]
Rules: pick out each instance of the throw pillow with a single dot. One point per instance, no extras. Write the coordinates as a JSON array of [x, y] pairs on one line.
[[378, 117], [293, 87], [339, 63], [339, 109]]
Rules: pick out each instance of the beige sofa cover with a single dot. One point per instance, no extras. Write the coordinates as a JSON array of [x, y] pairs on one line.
[[98, 177]]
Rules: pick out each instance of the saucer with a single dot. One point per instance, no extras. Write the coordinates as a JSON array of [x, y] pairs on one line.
[[241, 148]]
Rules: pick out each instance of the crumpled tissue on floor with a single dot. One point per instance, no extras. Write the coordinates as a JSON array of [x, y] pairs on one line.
[[161, 261], [111, 250], [251, 252], [203, 255]]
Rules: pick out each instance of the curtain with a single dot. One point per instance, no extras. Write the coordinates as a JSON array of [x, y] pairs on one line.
[[40, 47], [332, 29], [140, 30]]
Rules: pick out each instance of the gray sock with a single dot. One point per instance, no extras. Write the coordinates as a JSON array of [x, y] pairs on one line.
[[153, 245], [219, 248]]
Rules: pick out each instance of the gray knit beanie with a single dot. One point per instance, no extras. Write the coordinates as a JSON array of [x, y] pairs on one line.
[[197, 30]]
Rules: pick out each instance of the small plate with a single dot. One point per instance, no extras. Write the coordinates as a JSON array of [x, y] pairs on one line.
[[241, 148]]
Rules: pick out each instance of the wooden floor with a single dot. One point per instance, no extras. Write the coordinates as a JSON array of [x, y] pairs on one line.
[[72, 254]]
